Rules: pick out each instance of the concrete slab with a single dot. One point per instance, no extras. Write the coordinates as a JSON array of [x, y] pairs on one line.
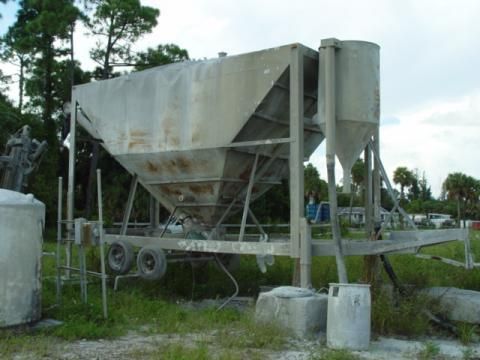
[[458, 304], [301, 311]]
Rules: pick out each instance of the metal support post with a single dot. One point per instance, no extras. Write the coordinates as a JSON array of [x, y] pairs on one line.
[[368, 192], [256, 222], [390, 189], [128, 208], [83, 273], [305, 254], [377, 186], [247, 198], [59, 240], [71, 184], [102, 252], [296, 149], [329, 46], [154, 213]]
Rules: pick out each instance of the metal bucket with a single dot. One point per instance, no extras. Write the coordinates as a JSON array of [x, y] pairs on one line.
[[348, 316]]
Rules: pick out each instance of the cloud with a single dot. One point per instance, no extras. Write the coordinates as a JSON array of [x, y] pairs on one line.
[[439, 138], [429, 63]]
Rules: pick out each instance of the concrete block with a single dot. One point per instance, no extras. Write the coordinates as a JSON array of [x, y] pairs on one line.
[[459, 304], [302, 311]]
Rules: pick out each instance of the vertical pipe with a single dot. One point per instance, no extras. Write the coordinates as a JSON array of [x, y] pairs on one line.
[[368, 191], [328, 46], [102, 252], [376, 180], [151, 211], [128, 209], [59, 239], [296, 149], [156, 220], [71, 183], [305, 254], [83, 270]]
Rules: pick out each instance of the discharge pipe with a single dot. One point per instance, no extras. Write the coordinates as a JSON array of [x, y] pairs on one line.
[[329, 46]]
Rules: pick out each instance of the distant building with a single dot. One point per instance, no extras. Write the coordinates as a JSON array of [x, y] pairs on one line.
[[356, 215], [440, 220], [433, 219]]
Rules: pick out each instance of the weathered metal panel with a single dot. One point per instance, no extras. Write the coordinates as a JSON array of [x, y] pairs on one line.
[[357, 97], [173, 126], [21, 225], [211, 246]]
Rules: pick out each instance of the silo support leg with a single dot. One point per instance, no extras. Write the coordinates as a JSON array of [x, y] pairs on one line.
[[332, 196], [247, 198], [128, 208], [389, 187], [305, 254]]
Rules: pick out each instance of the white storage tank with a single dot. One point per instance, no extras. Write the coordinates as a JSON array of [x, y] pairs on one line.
[[348, 316], [357, 99], [21, 226]]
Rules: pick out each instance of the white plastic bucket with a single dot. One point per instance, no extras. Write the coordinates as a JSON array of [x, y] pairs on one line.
[[348, 316]]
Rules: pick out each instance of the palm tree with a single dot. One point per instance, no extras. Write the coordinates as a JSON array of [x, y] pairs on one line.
[[403, 177], [462, 188]]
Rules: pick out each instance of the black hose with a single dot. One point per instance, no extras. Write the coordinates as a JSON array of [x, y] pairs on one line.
[[391, 274]]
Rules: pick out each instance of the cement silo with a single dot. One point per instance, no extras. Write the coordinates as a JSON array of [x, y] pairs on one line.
[[21, 225], [357, 99]]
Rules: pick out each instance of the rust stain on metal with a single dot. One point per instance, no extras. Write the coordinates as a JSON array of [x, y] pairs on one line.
[[202, 189], [138, 133], [183, 163], [152, 167], [132, 144], [171, 190]]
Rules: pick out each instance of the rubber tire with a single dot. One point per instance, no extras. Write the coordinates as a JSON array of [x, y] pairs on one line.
[[230, 261], [120, 257], [151, 263]]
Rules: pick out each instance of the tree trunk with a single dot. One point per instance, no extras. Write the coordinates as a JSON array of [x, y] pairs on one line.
[[21, 81], [48, 58], [72, 57], [459, 217]]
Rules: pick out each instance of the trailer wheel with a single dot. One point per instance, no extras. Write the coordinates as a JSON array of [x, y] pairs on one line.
[[120, 257], [151, 263]]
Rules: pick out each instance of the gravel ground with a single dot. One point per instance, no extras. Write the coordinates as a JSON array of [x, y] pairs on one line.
[[139, 346]]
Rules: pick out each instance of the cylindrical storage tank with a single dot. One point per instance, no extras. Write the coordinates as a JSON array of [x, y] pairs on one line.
[[357, 98], [348, 316], [21, 224]]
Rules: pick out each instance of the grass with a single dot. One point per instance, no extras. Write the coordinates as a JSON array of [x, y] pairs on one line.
[[156, 307], [328, 354], [467, 333], [430, 351], [36, 345]]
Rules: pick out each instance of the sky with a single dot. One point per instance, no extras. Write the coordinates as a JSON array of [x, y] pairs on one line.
[[430, 57]]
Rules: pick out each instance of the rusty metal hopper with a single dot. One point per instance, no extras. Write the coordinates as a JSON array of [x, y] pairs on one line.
[[190, 131]]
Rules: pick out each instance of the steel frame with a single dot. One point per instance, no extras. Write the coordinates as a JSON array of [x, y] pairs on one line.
[[298, 244]]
